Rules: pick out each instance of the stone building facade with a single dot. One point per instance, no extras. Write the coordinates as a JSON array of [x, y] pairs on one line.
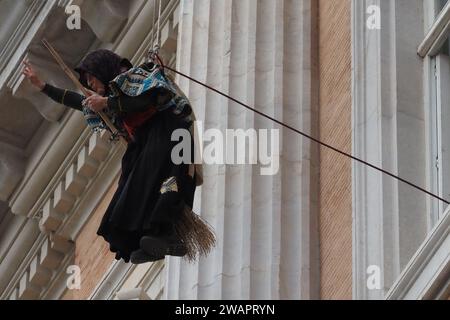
[[369, 77]]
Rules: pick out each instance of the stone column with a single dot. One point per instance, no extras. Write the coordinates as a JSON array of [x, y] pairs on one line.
[[299, 234], [390, 218], [259, 53]]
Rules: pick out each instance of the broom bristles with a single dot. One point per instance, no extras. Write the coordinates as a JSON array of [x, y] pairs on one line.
[[196, 234]]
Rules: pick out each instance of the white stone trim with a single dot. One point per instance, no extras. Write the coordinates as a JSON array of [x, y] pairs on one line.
[[427, 275], [132, 294], [128, 282], [437, 34], [113, 13], [389, 218], [149, 278], [239, 48], [134, 41], [17, 45], [24, 246], [57, 286], [63, 218], [42, 258], [107, 286], [46, 162], [168, 41]]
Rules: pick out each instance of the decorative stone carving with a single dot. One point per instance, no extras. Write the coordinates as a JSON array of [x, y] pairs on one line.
[[86, 166], [50, 258], [98, 147], [42, 268], [27, 290], [39, 276], [51, 219], [75, 182], [63, 200]]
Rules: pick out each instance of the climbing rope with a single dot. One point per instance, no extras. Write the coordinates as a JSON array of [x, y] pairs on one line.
[[154, 57], [153, 52], [159, 61]]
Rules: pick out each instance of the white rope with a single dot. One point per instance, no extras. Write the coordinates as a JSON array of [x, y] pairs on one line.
[[153, 22], [158, 44], [155, 46]]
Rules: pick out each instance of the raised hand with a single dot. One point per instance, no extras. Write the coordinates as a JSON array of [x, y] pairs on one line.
[[32, 76], [95, 102]]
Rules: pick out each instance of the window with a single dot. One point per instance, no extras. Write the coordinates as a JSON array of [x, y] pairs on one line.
[[435, 49]]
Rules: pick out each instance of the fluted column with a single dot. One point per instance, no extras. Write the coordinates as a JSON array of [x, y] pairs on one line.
[[389, 217], [298, 222], [259, 53], [192, 60], [197, 94], [209, 283], [233, 188]]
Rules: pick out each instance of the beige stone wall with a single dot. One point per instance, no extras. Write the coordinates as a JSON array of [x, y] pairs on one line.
[[92, 253], [335, 198]]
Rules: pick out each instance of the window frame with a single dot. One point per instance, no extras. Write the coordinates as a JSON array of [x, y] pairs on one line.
[[438, 32], [437, 86]]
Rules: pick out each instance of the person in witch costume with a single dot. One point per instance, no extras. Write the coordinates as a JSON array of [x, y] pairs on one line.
[[150, 215]]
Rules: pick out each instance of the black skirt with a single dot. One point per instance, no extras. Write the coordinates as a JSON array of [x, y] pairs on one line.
[[138, 208]]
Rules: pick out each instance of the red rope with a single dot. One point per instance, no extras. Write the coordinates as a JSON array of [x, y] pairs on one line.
[[308, 136]]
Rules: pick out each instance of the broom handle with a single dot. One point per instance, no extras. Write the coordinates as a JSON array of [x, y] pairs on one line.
[[77, 83]]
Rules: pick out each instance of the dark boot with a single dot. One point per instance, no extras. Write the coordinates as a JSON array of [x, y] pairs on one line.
[[163, 245], [140, 256]]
